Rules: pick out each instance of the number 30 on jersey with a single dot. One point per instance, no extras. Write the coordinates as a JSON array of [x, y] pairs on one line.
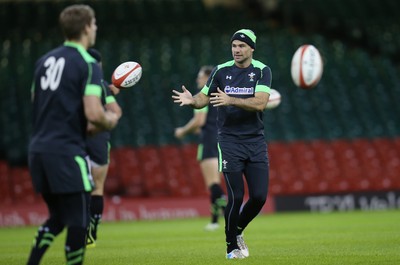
[[54, 69]]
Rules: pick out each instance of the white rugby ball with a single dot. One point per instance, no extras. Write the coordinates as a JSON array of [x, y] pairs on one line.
[[274, 99], [126, 75], [307, 66]]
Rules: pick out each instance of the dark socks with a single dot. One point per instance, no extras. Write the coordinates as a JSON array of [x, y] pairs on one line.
[[218, 202], [96, 212], [43, 239], [75, 245], [240, 230]]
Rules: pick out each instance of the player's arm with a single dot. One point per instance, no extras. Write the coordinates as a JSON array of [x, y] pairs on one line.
[[115, 108], [97, 116], [111, 103], [193, 125], [256, 103], [200, 100]]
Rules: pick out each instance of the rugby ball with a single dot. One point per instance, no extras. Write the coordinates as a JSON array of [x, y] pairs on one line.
[[274, 99], [126, 75], [307, 66]]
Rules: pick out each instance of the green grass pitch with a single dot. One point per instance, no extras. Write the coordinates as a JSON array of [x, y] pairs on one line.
[[289, 239]]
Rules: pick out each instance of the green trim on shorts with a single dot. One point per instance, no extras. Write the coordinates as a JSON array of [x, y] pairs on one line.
[[84, 172], [32, 89], [200, 149], [109, 150], [219, 159]]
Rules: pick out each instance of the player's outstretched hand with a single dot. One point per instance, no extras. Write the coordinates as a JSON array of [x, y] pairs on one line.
[[219, 98], [183, 98]]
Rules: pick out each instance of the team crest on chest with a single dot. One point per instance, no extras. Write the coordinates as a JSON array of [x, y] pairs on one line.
[[251, 75]]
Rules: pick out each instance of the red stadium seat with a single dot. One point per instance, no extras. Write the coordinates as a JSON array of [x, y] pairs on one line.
[[154, 176], [350, 167], [371, 164], [5, 187], [281, 161], [174, 164], [23, 191], [389, 152], [305, 159], [193, 171], [125, 166], [326, 160]]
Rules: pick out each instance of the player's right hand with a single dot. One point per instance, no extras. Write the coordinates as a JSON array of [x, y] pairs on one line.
[[183, 98]]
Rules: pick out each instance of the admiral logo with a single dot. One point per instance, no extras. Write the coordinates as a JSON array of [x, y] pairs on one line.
[[229, 77], [242, 36], [239, 90]]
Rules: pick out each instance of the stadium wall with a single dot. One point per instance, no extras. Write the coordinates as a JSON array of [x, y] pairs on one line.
[[156, 183]]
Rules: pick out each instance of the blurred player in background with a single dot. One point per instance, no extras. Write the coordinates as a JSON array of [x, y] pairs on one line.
[[205, 120], [98, 148], [66, 94], [240, 89]]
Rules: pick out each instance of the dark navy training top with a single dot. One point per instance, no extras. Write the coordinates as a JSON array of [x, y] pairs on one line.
[[61, 78], [234, 123]]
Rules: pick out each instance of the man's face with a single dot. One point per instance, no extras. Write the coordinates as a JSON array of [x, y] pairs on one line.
[[92, 30], [241, 51]]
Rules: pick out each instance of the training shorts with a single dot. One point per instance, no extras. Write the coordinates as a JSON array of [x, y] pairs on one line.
[[234, 157], [208, 148], [98, 149], [55, 173]]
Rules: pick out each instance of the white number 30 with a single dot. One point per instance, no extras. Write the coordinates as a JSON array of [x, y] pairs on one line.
[[53, 73]]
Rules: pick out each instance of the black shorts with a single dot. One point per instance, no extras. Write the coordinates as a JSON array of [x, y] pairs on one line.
[[54, 173], [98, 148], [207, 149], [234, 157]]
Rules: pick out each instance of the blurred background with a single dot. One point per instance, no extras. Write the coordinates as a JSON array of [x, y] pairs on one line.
[[340, 137]]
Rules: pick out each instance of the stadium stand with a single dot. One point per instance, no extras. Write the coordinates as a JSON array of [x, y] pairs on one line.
[[342, 136]]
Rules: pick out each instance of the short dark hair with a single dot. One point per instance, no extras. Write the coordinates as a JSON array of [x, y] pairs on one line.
[[207, 69], [73, 20]]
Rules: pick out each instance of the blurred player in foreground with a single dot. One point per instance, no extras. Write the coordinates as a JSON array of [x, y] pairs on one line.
[[205, 119], [98, 148], [240, 89], [66, 93]]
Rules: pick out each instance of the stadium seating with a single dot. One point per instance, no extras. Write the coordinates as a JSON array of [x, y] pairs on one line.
[[6, 186], [341, 136], [128, 171]]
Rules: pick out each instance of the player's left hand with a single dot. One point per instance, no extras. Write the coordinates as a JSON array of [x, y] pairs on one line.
[[219, 98]]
